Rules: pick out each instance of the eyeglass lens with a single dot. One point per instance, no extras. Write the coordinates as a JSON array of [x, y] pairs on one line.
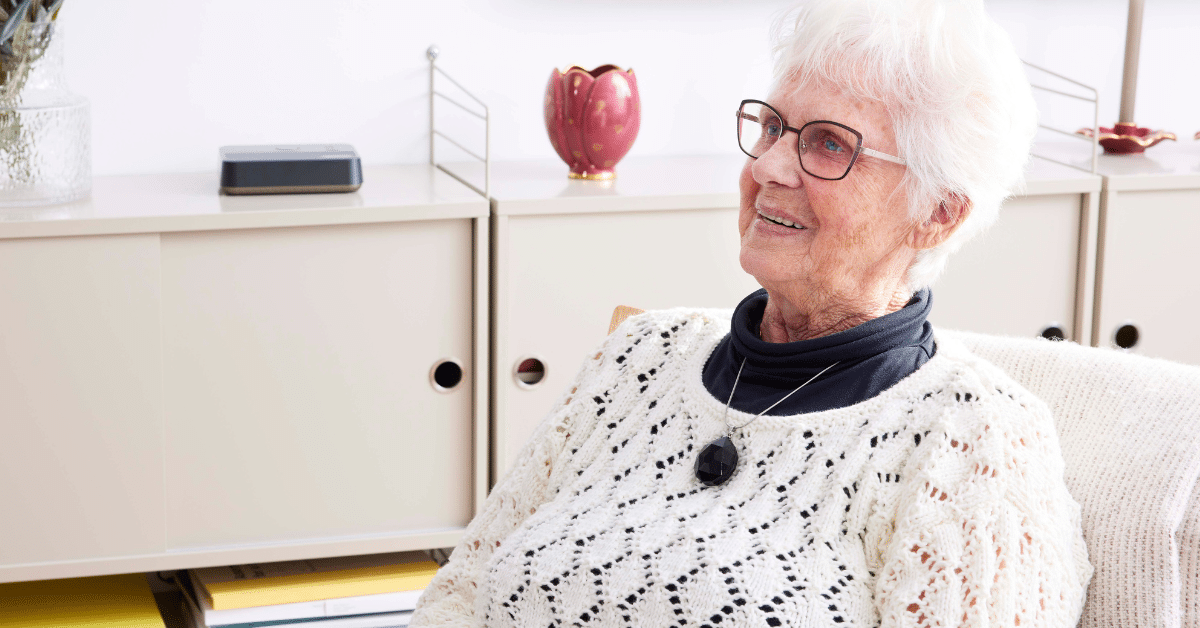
[[826, 150]]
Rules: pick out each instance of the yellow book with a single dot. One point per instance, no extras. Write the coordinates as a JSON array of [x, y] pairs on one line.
[[98, 602], [288, 582]]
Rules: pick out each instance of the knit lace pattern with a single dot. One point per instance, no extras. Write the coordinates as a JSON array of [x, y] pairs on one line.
[[939, 502]]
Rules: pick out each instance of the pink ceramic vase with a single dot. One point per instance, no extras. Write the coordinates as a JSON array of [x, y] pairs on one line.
[[592, 118]]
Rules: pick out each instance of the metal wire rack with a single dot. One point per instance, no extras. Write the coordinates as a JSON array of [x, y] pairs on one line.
[[432, 54], [1094, 140]]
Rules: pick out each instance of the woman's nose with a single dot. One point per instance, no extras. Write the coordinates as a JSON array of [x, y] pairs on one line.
[[780, 164]]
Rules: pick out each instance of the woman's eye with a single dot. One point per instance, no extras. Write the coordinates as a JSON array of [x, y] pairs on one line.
[[772, 129], [832, 146]]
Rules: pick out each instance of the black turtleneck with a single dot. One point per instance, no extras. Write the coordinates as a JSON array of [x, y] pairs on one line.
[[871, 357]]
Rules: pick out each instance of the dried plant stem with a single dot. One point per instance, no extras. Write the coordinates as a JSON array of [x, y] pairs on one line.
[[15, 149]]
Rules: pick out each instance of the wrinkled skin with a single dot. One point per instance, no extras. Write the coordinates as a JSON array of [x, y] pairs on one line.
[[847, 264]]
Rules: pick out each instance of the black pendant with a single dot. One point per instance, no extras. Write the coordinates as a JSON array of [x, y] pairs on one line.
[[716, 462]]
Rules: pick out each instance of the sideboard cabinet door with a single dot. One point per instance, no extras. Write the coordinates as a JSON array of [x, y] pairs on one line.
[[1149, 273], [559, 277], [297, 371], [80, 399], [1019, 277]]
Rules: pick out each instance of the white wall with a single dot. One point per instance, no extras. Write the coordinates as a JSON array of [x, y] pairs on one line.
[[1085, 39], [169, 82]]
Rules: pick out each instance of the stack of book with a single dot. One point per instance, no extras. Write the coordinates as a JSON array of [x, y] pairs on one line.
[[376, 591]]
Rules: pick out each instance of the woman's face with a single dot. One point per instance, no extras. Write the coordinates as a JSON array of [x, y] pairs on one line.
[[851, 240]]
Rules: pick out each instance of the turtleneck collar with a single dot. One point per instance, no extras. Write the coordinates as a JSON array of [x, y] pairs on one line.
[[871, 357]]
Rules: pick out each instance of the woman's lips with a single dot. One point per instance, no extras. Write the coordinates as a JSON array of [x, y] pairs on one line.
[[769, 218]]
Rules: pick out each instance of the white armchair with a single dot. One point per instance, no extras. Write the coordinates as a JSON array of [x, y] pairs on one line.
[[1130, 433]]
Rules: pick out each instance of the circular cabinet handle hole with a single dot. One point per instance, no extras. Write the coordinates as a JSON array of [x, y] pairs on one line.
[[1054, 332], [529, 372], [446, 375], [1127, 336]]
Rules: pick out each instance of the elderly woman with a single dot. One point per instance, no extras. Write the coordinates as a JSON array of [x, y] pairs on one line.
[[824, 457]]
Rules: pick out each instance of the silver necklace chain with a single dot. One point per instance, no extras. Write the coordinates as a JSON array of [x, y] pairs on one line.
[[739, 377]]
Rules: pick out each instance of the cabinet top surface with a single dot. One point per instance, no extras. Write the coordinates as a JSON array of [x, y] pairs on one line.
[[394, 193], [191, 201], [1168, 165], [667, 183]]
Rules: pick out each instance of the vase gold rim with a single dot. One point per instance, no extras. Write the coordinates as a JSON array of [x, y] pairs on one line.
[[594, 176], [616, 68]]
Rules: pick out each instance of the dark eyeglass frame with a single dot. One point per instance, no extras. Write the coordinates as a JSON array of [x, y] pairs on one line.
[[801, 147]]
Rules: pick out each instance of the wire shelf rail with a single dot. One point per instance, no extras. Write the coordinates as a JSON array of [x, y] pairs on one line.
[[434, 95], [1094, 140]]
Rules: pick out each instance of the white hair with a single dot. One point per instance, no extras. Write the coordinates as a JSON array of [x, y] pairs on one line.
[[962, 110]]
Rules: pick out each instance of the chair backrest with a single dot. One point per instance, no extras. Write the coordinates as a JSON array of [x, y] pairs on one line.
[[1189, 562], [1129, 427], [620, 314]]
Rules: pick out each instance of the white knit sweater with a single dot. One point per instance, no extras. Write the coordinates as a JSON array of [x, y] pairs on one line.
[[940, 502]]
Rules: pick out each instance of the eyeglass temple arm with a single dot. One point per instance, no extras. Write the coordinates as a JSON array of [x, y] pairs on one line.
[[883, 156]]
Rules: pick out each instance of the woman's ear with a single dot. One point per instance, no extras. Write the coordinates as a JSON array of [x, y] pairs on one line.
[[946, 218]]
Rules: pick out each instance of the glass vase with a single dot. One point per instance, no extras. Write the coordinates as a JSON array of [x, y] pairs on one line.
[[45, 130]]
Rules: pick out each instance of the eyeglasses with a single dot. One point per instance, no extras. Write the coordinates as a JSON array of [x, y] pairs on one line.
[[827, 149]]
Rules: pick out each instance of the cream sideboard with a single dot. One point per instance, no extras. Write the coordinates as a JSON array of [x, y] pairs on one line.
[[1148, 293], [664, 234], [189, 379]]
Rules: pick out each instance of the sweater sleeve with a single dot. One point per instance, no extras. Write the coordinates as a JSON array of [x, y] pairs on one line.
[[449, 600], [986, 533]]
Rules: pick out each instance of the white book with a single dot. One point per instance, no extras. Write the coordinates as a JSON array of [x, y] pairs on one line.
[[383, 620], [334, 607]]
